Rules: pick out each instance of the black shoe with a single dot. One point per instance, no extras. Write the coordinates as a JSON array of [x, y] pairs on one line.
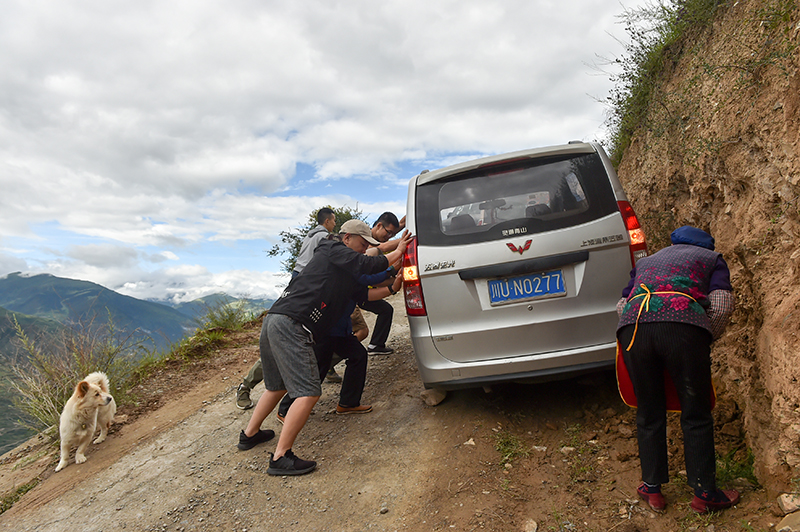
[[332, 376], [246, 443], [379, 350], [289, 464]]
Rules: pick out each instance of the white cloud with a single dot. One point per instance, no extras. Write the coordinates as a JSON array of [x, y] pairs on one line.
[[146, 133]]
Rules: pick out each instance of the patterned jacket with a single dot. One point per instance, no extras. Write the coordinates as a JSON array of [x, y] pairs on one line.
[[673, 285]]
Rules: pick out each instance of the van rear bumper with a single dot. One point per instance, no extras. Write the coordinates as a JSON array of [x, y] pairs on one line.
[[439, 372]]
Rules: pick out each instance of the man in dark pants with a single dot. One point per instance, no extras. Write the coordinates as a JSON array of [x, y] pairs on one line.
[[383, 230], [307, 309], [345, 345], [326, 221], [677, 302]]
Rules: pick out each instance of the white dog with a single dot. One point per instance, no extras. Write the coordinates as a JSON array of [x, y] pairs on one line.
[[91, 405]]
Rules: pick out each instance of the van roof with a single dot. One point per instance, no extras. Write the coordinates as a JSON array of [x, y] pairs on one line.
[[533, 153]]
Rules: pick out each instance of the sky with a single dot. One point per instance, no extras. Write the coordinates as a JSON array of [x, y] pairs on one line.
[[159, 148]]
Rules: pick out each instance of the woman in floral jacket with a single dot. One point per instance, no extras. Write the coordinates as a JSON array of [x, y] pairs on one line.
[[678, 301]]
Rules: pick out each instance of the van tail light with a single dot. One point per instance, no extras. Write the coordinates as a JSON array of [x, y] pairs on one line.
[[412, 287], [635, 232]]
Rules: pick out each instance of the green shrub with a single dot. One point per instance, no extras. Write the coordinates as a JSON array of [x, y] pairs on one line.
[[225, 314], [657, 32]]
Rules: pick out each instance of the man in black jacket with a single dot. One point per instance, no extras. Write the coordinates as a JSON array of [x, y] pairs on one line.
[[308, 308]]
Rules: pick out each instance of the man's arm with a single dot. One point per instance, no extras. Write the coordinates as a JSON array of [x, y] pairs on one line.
[[387, 247], [386, 291]]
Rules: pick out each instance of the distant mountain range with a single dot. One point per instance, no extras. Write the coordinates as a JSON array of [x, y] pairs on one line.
[[199, 307], [44, 305]]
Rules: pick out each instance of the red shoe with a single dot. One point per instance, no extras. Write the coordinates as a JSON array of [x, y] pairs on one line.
[[718, 500], [656, 501]]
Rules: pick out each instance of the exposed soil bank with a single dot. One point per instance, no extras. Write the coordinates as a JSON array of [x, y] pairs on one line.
[[721, 151]]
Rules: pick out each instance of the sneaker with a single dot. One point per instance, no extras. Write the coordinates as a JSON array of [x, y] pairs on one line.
[[332, 376], [653, 497], [379, 350], [714, 501], [362, 409], [243, 397], [248, 442], [280, 417], [289, 464]]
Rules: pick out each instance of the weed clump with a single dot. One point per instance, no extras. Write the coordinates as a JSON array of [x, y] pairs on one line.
[[510, 446]]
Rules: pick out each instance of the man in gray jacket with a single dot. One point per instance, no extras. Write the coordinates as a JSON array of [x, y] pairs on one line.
[[326, 219]]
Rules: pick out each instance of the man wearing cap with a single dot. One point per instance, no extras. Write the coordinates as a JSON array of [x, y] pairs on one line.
[[309, 306], [677, 302]]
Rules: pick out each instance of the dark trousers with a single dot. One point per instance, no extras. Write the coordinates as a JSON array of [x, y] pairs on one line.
[[683, 351], [383, 323], [355, 373]]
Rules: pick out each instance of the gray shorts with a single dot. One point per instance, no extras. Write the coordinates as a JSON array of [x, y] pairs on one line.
[[287, 357]]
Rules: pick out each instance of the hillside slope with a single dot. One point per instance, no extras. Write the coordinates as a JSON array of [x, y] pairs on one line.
[[721, 151]]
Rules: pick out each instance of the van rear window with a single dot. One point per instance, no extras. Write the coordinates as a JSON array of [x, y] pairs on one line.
[[517, 197]]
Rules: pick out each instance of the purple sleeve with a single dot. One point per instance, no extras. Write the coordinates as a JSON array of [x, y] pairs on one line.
[[627, 290], [720, 276]]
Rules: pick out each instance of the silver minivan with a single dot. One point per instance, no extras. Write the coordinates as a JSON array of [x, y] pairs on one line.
[[516, 267]]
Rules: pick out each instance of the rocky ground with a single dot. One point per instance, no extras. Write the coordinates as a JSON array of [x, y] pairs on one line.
[[559, 456]]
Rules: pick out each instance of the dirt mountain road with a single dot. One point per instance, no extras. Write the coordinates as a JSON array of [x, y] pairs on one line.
[[174, 466]]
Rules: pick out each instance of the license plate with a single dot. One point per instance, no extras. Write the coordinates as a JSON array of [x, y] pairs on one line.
[[526, 287]]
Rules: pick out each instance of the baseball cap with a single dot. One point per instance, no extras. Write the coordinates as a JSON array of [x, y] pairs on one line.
[[357, 227]]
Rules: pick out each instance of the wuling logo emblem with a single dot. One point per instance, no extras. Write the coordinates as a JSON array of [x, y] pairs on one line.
[[520, 249]]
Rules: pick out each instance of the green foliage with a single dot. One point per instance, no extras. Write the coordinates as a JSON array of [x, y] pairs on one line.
[[664, 31], [221, 315], [292, 240], [735, 465], [225, 314], [657, 31], [509, 446], [777, 13], [46, 378], [9, 499], [198, 345]]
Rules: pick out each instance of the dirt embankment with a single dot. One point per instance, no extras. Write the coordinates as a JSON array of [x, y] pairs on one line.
[[557, 456], [721, 151]]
